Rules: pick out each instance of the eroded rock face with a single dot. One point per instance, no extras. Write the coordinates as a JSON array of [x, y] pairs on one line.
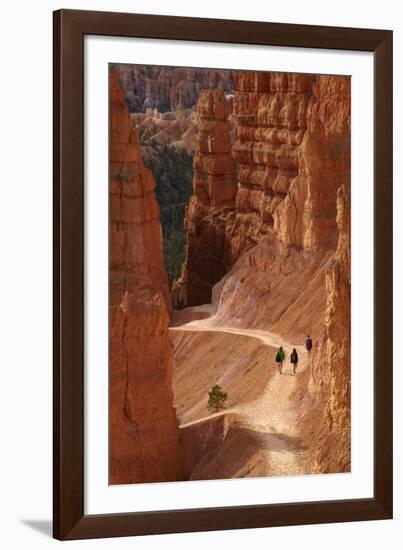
[[144, 439], [331, 365], [283, 249], [292, 151], [307, 216], [293, 213], [213, 198], [271, 112]]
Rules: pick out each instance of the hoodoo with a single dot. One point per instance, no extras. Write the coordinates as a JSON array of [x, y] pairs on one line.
[[213, 198], [331, 367], [144, 437]]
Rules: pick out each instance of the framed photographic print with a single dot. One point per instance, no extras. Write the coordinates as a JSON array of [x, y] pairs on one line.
[[222, 274]]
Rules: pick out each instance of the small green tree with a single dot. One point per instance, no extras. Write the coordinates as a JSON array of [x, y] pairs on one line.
[[216, 398]]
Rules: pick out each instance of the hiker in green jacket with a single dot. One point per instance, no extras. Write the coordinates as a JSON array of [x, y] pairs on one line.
[[280, 356]]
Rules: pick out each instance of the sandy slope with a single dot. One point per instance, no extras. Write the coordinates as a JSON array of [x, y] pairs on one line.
[[257, 434]]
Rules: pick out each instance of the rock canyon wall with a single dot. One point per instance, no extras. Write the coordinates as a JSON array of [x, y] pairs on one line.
[[280, 248], [292, 151], [144, 437], [292, 154]]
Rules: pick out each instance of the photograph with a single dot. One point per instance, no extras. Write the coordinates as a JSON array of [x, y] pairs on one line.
[[229, 274], [202, 275]]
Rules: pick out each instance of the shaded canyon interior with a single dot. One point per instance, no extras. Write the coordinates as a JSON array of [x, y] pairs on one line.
[[267, 262]]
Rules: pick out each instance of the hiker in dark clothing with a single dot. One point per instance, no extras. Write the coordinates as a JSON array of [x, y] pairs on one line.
[[280, 356], [308, 345], [294, 360]]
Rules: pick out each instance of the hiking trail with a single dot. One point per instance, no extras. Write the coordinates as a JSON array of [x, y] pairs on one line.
[[272, 418]]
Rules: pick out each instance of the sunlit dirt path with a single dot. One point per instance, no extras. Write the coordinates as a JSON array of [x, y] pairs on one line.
[[272, 419]]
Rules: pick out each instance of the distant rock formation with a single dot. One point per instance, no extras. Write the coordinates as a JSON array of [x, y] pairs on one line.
[[214, 191], [144, 438], [156, 129], [169, 88]]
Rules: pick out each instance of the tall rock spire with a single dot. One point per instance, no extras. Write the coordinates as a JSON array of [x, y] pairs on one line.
[[144, 437], [213, 197]]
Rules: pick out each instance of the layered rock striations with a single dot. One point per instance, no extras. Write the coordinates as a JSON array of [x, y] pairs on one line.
[[213, 197], [144, 438], [292, 150], [271, 113], [292, 154], [307, 217]]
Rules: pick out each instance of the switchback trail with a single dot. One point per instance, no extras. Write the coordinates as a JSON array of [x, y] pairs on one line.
[[273, 417]]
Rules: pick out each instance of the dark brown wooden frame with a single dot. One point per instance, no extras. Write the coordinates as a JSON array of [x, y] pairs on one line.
[[70, 27]]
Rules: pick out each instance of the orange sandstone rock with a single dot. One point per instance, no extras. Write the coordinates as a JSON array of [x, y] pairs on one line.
[[144, 438], [280, 256], [214, 192], [292, 151], [331, 366]]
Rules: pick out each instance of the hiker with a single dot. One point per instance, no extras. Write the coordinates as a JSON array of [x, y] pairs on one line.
[[280, 356], [308, 345], [294, 360]]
